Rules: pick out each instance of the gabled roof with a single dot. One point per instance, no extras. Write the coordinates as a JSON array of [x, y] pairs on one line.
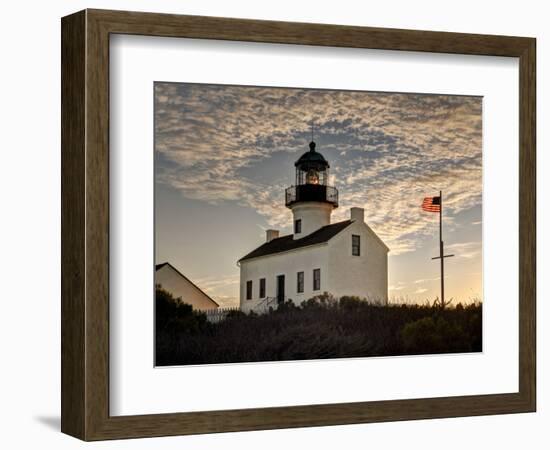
[[286, 243], [160, 266]]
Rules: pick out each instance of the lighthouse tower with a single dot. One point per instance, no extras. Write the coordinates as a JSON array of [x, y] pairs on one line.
[[311, 199]]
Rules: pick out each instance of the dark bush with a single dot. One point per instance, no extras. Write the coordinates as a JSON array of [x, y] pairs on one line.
[[171, 313], [321, 327], [434, 335], [351, 302]]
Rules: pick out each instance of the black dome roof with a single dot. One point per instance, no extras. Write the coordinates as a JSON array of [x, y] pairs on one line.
[[312, 159]]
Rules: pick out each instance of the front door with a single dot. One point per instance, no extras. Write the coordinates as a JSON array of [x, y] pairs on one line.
[[280, 289]]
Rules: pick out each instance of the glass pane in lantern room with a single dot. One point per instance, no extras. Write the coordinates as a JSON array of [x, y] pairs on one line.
[[312, 177]]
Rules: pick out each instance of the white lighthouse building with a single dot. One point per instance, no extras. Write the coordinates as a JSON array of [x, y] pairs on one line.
[[343, 258]]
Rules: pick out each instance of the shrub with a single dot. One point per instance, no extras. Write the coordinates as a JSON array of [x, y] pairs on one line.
[[323, 300], [284, 307], [434, 335], [175, 315], [351, 302], [319, 328]]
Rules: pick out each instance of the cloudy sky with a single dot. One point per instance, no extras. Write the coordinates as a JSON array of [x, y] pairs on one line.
[[224, 155]]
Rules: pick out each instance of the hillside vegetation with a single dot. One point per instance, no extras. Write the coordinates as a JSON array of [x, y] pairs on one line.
[[320, 328]]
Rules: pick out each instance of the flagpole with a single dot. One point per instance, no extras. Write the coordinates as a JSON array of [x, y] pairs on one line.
[[442, 258], [429, 205]]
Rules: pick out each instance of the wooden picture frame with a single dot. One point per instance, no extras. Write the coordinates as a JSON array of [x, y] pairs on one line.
[[85, 224]]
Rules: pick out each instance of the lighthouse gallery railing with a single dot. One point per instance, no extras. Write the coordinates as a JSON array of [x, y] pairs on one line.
[[312, 193]]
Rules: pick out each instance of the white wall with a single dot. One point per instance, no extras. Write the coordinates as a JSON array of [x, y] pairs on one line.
[[313, 215], [30, 226], [179, 286], [342, 273], [288, 264], [365, 275]]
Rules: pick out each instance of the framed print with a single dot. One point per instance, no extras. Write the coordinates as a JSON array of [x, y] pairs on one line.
[[266, 224]]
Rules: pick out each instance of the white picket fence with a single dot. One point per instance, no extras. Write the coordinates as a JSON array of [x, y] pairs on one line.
[[219, 314]]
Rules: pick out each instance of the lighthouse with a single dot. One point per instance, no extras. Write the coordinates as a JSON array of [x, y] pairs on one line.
[[344, 258], [311, 199]]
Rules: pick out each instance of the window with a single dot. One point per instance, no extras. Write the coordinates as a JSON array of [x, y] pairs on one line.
[[355, 245], [297, 226], [262, 287], [300, 282], [249, 290], [316, 279]]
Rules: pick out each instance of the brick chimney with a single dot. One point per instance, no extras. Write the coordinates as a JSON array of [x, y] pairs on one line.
[[357, 214], [271, 234]]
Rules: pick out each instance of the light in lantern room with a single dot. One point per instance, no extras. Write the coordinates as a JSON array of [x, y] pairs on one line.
[[312, 177]]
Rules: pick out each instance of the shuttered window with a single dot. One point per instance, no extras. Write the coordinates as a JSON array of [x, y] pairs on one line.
[[300, 282], [316, 279], [355, 245]]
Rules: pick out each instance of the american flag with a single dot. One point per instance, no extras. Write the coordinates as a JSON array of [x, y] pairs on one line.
[[432, 204]]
